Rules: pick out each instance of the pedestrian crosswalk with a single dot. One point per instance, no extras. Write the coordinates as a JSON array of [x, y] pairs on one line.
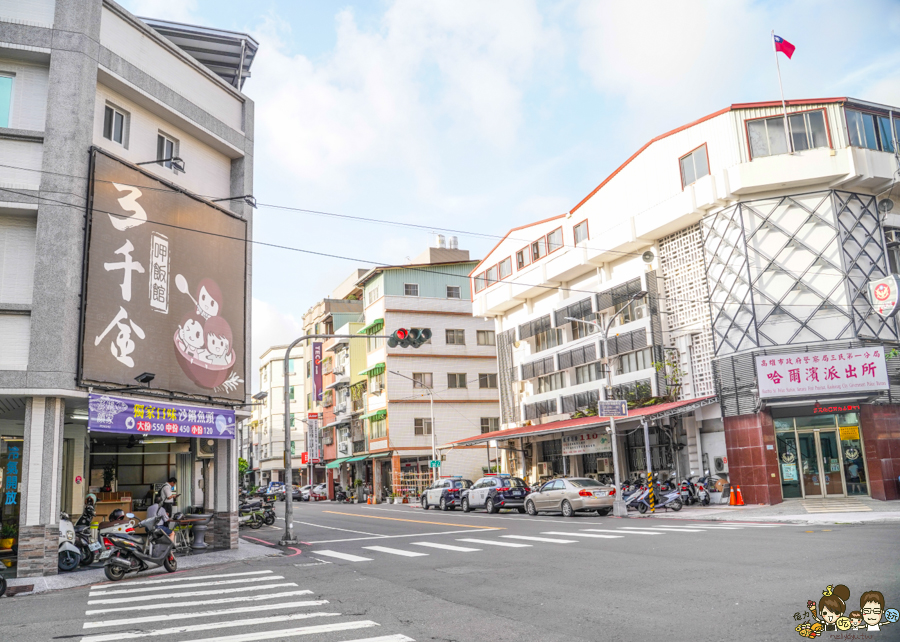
[[623, 533], [273, 603]]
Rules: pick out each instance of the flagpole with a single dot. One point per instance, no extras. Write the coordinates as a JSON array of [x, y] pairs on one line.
[[787, 131]]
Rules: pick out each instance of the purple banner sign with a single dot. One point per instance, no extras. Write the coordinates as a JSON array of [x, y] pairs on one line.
[[157, 418], [317, 371]]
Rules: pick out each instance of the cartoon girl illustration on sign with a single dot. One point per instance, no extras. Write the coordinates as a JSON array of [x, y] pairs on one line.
[[832, 606]]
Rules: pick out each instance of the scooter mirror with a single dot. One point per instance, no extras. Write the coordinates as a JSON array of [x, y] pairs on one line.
[[129, 515]]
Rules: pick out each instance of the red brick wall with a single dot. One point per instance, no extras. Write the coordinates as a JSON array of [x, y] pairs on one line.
[[881, 436], [750, 465]]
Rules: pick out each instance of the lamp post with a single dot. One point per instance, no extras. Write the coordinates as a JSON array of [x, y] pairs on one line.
[[619, 508], [431, 398]]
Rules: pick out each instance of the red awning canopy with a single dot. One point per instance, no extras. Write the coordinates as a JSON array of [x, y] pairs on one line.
[[649, 412]]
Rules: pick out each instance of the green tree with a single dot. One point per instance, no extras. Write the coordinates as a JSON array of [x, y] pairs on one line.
[[243, 466]]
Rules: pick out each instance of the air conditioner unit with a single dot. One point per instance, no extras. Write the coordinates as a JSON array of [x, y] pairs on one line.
[[342, 409], [545, 469], [641, 312], [721, 464], [343, 448], [604, 465], [204, 448], [376, 388]]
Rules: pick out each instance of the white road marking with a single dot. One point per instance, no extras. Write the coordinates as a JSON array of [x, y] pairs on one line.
[[446, 547], [397, 637], [163, 617], [146, 598], [222, 600], [335, 528], [660, 529], [581, 535], [187, 578], [494, 517], [380, 537], [130, 635], [597, 530], [284, 633], [344, 556], [395, 551], [146, 589], [717, 528], [494, 543], [541, 539], [753, 525]]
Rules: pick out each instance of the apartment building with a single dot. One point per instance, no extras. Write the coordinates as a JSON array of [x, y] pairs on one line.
[[458, 367], [100, 390], [733, 264]]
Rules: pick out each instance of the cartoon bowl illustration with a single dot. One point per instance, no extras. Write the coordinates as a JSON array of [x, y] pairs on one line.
[[205, 375]]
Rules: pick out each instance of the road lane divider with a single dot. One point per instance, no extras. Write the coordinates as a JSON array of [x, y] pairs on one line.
[[494, 543], [582, 535]]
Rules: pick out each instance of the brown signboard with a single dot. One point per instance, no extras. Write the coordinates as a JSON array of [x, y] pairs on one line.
[[164, 289]]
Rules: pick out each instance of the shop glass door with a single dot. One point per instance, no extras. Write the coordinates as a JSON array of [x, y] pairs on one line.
[[787, 463], [829, 454], [809, 464]]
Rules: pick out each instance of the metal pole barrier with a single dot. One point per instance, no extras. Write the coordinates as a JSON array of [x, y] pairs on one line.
[[652, 495]]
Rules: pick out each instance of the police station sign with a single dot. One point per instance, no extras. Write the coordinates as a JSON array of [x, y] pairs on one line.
[[815, 373], [592, 441]]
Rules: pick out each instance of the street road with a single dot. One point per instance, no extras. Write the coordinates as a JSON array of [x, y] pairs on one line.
[[391, 573]]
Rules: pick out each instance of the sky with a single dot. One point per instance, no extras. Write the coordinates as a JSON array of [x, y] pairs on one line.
[[484, 115]]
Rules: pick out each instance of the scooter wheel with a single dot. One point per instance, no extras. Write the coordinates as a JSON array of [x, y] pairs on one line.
[[68, 561], [705, 501], [114, 573], [2, 586], [676, 505], [170, 563], [642, 508], [256, 522], [269, 520]]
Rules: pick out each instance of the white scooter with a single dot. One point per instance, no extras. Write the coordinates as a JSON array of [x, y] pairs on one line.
[[69, 553]]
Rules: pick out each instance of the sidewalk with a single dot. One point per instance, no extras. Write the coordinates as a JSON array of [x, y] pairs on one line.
[[847, 510], [244, 551]]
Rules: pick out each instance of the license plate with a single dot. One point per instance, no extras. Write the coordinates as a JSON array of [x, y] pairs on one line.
[[105, 554], [517, 493], [96, 546], [599, 493]]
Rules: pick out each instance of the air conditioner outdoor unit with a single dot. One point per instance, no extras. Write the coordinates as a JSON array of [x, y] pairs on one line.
[[343, 448], [204, 448], [376, 388], [604, 465], [641, 312], [342, 409], [721, 464], [544, 469]]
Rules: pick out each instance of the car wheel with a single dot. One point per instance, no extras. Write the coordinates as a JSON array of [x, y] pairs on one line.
[[465, 504], [444, 504], [529, 508], [603, 512], [424, 503], [489, 506], [567, 510]]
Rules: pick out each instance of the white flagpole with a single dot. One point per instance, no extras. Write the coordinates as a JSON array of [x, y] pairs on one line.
[[787, 131]]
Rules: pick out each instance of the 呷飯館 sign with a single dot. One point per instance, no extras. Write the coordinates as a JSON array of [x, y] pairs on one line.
[[165, 287]]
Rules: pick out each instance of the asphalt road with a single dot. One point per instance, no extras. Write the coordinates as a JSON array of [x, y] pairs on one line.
[[398, 573]]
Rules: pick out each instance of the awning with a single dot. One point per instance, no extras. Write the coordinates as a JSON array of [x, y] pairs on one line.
[[360, 458], [378, 414], [336, 462], [338, 422], [380, 455], [649, 413], [373, 327], [377, 369]]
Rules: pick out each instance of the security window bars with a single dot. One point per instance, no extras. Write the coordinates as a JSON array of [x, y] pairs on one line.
[[505, 267], [422, 426], [579, 310], [627, 342], [528, 330], [548, 339], [486, 337], [551, 382], [555, 240], [694, 166], [166, 148], [537, 368], [618, 295], [453, 292], [540, 409], [487, 380], [870, 131], [456, 337], [410, 289], [456, 380], [490, 424], [523, 258], [581, 232], [422, 380], [580, 401], [588, 373], [114, 125], [577, 357]]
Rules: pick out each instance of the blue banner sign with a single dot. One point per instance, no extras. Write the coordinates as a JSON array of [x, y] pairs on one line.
[[158, 418]]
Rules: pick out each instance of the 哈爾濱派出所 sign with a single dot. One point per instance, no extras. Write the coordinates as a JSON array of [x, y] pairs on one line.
[[582, 443], [816, 373]]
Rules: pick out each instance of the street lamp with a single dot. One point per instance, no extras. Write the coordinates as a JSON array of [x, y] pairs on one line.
[[430, 392], [619, 508]]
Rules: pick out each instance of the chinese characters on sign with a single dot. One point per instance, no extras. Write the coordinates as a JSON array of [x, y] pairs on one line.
[[317, 371], [809, 373], [312, 431], [137, 416], [11, 486], [585, 442], [159, 272]]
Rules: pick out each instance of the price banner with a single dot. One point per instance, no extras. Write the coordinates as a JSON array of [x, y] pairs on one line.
[[157, 418]]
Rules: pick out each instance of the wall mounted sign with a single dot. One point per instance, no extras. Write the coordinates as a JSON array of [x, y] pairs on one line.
[[158, 418], [317, 371], [884, 295], [815, 373], [612, 408], [586, 442], [849, 432]]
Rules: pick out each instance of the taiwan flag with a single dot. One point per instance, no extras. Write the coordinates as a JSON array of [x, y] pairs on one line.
[[784, 46]]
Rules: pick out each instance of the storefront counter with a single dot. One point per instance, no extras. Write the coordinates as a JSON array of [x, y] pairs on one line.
[[105, 508]]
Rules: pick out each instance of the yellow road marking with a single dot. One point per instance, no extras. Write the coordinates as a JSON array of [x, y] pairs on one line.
[[416, 521]]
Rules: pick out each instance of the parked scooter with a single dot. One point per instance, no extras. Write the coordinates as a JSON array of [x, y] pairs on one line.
[[702, 493], [251, 514], [667, 499], [268, 513], [131, 553], [688, 492], [69, 554]]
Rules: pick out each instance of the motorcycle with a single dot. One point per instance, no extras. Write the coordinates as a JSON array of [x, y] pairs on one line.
[[251, 514], [688, 492], [702, 494], [131, 553], [268, 514], [668, 499], [69, 554]]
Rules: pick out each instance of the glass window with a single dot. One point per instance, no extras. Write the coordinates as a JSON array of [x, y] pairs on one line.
[[166, 148], [479, 282], [490, 424], [580, 330], [863, 130], [551, 382], [373, 295], [784, 424], [486, 337], [588, 373], [411, 289], [422, 426], [816, 421], [6, 88], [523, 258], [491, 275], [488, 380], [453, 292], [885, 135], [547, 339], [581, 232], [374, 343], [767, 136], [292, 393], [422, 380], [537, 250], [808, 130], [456, 337], [555, 239], [634, 361], [694, 166], [114, 125], [377, 428], [505, 268], [461, 483], [456, 380], [585, 483]]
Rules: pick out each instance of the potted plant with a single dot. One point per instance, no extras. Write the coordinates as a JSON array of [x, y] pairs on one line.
[[359, 492], [8, 535], [109, 474]]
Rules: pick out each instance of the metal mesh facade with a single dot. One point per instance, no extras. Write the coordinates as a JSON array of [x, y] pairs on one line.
[[507, 376]]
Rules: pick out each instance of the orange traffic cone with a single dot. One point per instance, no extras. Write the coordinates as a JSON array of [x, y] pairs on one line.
[[731, 502], [740, 498]]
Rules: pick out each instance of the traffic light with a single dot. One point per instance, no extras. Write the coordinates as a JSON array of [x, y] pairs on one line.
[[409, 338]]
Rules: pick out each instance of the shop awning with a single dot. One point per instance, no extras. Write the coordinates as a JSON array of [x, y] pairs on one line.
[[380, 455], [345, 419], [648, 413], [377, 369], [336, 462], [374, 416], [360, 458], [373, 327]]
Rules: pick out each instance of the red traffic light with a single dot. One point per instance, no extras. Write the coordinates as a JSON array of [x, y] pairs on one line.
[[401, 334]]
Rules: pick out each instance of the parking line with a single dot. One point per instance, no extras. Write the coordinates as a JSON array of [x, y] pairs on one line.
[[447, 547], [343, 556], [415, 521], [494, 543], [395, 551], [541, 539], [582, 535]]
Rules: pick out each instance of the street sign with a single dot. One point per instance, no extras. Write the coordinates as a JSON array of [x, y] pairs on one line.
[[434, 463], [316, 460], [304, 458], [292, 449], [612, 408]]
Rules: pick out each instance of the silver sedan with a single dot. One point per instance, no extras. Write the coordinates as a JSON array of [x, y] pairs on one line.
[[571, 495]]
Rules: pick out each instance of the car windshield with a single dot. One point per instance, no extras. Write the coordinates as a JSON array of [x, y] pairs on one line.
[[462, 483], [512, 482], [585, 483]]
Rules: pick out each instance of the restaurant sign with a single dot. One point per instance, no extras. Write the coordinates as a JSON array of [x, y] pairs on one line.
[[585, 442], [157, 418], [815, 373]]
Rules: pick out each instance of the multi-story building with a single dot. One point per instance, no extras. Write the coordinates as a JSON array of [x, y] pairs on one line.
[[733, 262], [457, 366], [109, 124]]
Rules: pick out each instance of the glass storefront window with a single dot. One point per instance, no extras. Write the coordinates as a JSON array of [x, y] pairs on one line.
[[11, 452], [784, 424], [816, 421], [854, 466], [787, 463]]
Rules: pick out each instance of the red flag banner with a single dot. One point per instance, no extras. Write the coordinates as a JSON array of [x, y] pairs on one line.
[[784, 46]]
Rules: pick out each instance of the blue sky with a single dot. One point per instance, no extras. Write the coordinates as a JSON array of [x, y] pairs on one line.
[[484, 115]]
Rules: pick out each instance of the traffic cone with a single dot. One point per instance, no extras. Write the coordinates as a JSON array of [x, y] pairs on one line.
[[740, 498], [731, 501]]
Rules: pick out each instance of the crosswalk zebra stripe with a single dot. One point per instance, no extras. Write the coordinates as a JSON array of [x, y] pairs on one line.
[[494, 543], [218, 613], [395, 551], [185, 578], [344, 556], [661, 529], [597, 530], [447, 547], [702, 526], [285, 633], [752, 525], [130, 635], [582, 535], [221, 600], [96, 592], [146, 598], [397, 637], [541, 539]]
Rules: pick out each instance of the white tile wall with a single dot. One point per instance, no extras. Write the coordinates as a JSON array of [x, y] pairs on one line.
[[30, 12], [29, 99], [17, 242]]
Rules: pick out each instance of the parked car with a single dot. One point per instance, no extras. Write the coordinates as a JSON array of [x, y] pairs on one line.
[[495, 492], [571, 495], [318, 492], [444, 493], [296, 493], [304, 493]]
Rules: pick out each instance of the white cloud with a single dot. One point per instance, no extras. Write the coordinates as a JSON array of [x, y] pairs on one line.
[[270, 328]]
